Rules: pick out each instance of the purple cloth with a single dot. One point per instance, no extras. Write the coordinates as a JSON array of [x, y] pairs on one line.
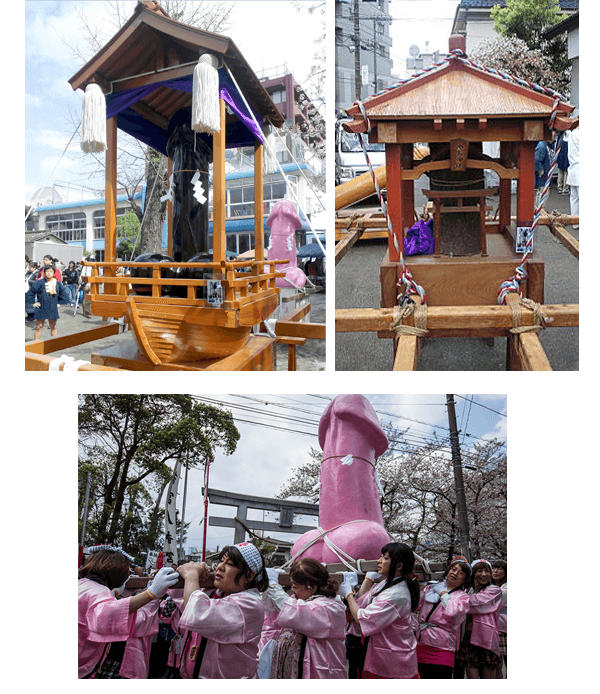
[[419, 238], [121, 101]]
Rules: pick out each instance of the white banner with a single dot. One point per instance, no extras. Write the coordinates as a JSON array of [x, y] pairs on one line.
[[151, 559], [170, 546]]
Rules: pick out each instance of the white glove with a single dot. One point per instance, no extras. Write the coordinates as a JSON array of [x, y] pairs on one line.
[[439, 587], [350, 580], [445, 598], [373, 575], [119, 591], [432, 597], [273, 575], [166, 578]]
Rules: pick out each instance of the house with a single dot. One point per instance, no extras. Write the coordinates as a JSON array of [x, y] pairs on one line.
[[570, 26], [472, 19]]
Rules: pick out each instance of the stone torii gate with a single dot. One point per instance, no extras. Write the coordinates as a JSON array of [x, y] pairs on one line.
[[243, 502]]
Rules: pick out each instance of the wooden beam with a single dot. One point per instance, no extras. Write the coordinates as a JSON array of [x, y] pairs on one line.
[[565, 237], [407, 353], [343, 246], [314, 331], [529, 353], [219, 242], [359, 188], [259, 223], [41, 362], [63, 342], [461, 319]]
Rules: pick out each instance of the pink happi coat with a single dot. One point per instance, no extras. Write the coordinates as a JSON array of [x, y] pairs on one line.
[[387, 618], [103, 619], [173, 620], [485, 607], [232, 625], [502, 613], [136, 658], [443, 631], [323, 621], [273, 598]]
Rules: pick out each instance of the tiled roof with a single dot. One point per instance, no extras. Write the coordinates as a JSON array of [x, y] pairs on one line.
[[564, 4]]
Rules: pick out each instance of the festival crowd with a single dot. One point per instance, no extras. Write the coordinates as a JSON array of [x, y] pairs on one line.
[[247, 626]]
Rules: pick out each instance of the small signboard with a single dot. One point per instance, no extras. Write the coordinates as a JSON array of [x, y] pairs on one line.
[[523, 236]]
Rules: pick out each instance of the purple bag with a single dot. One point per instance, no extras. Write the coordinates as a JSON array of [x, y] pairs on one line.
[[419, 238]]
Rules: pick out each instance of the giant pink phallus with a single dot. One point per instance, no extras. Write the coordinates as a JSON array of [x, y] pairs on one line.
[[283, 222], [350, 520]]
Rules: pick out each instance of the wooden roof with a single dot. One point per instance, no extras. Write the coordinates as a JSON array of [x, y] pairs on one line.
[[149, 41], [456, 90]]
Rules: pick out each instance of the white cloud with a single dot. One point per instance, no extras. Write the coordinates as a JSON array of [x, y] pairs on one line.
[[31, 100]]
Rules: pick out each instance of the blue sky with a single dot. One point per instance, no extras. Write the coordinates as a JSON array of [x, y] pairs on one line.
[[53, 110]]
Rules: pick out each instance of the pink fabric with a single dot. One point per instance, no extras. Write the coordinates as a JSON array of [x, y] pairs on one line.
[[502, 613], [101, 619], [173, 620], [446, 621], [232, 625], [323, 621], [387, 618], [136, 659], [349, 495], [485, 606], [434, 656]]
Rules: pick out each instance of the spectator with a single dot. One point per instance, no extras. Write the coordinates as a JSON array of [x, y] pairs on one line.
[[30, 278], [48, 260], [499, 579], [71, 281], [573, 174], [44, 296]]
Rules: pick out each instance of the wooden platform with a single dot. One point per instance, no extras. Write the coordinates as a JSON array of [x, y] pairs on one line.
[[258, 354]]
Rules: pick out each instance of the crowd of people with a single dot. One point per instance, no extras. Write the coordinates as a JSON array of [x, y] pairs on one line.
[[248, 626], [49, 284]]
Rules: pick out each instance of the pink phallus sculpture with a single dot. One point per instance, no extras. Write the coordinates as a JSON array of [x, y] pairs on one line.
[[351, 439], [283, 222]]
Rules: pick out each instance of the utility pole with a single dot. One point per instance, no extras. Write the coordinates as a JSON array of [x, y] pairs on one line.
[[459, 485], [357, 76]]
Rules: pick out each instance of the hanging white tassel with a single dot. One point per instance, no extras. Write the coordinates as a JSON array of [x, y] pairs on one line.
[[205, 95], [269, 161], [93, 120]]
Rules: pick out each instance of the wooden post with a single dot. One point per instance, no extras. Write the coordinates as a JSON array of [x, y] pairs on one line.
[[259, 223], [393, 164], [169, 213], [526, 185], [110, 203], [219, 241], [505, 189]]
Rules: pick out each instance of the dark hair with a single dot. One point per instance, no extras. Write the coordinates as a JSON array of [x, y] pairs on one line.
[[48, 256], [466, 568], [240, 563], [402, 557], [50, 267], [311, 572], [474, 571], [500, 564], [110, 567]]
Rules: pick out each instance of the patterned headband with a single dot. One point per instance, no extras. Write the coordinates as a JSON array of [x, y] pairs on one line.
[[481, 561], [252, 557], [111, 548]]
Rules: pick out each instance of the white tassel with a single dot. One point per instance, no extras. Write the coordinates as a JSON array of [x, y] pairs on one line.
[[206, 117], [93, 120], [269, 161]]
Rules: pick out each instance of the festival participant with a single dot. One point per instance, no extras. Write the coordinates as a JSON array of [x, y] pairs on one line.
[[49, 260], [312, 623], [383, 612], [102, 617], [499, 579], [479, 650], [170, 613], [224, 623], [442, 609], [70, 281], [44, 296]]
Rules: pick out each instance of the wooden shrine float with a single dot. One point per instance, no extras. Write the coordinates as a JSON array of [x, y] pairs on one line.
[[193, 310], [454, 108]]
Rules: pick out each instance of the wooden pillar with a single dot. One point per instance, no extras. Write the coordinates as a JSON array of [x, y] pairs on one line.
[[505, 190], [393, 163], [110, 199], [219, 242], [259, 223], [169, 213], [526, 185]]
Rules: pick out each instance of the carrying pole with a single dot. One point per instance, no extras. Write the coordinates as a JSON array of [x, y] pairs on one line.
[[206, 471], [463, 522]]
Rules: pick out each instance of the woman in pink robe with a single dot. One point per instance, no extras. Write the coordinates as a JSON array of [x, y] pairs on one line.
[[312, 623], [384, 612], [224, 624], [102, 618]]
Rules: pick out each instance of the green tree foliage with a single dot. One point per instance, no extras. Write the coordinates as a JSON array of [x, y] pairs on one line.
[[128, 228], [128, 443], [527, 20]]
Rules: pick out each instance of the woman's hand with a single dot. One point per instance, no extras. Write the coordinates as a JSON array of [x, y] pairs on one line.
[[37, 304], [193, 569]]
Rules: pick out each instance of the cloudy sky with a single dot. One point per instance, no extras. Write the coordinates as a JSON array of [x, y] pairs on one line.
[[268, 32], [277, 431]]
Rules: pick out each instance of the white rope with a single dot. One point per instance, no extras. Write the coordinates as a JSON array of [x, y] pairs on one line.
[[68, 363], [251, 113]]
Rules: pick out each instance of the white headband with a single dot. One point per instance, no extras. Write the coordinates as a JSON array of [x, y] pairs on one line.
[[481, 561], [111, 548], [252, 557]]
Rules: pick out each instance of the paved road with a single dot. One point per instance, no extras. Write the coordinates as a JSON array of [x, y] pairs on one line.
[[357, 286], [310, 357]]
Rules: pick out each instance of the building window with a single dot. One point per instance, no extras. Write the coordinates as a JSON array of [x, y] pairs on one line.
[[99, 221], [68, 227], [240, 199], [278, 97]]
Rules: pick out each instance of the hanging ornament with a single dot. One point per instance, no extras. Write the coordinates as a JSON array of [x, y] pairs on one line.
[[198, 189], [93, 120], [269, 161], [171, 192], [206, 117]]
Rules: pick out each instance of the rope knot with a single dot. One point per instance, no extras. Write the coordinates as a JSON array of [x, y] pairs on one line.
[[541, 320], [401, 313]]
